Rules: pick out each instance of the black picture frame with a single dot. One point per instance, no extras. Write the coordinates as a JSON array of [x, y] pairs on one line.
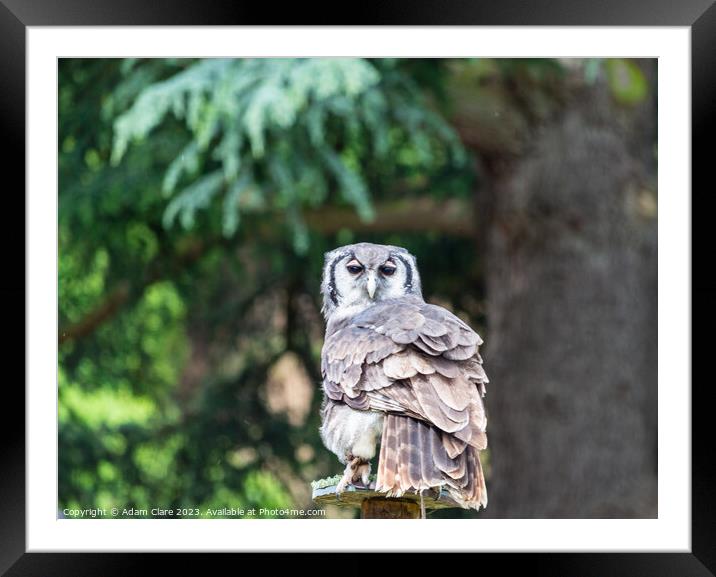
[[17, 15]]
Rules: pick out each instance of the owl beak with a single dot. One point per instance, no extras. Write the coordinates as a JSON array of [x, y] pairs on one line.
[[371, 284]]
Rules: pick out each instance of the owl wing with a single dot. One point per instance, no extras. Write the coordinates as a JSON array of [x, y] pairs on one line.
[[407, 357]]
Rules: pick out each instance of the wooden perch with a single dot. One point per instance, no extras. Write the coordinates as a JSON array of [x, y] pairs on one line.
[[453, 217], [376, 505]]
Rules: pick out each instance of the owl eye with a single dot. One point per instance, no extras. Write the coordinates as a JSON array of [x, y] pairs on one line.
[[387, 269], [354, 268]]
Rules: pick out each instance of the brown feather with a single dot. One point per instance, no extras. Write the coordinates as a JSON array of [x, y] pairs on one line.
[[436, 344], [464, 434], [403, 394], [453, 445], [479, 440], [445, 367], [443, 416], [426, 348], [433, 328], [429, 472], [452, 337], [373, 378], [381, 402], [404, 454], [399, 367], [420, 365], [477, 413], [361, 402], [460, 353], [388, 459], [456, 393], [404, 337], [351, 376], [332, 390], [442, 460], [468, 337], [387, 347]]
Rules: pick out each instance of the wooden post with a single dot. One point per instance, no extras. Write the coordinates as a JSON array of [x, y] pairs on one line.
[[375, 505], [389, 508]]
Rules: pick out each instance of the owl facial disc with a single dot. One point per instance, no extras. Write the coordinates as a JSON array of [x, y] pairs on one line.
[[358, 275]]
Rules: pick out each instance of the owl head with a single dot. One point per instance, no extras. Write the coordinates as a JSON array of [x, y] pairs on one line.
[[356, 276]]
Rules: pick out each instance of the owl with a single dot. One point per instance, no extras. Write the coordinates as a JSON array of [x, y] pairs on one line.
[[399, 372]]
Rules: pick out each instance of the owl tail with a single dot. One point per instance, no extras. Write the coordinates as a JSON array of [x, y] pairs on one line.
[[415, 456]]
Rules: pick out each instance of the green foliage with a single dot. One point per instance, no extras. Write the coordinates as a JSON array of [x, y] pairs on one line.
[[294, 129], [187, 267], [626, 81], [592, 67]]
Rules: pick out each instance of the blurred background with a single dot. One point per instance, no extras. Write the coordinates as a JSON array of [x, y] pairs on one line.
[[196, 200]]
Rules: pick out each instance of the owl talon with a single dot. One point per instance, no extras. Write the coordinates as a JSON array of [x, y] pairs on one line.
[[357, 471], [363, 472], [347, 477], [341, 487]]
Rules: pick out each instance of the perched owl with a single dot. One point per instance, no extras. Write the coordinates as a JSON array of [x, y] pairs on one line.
[[399, 371]]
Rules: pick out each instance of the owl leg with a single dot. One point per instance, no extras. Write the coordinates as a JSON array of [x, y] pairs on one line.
[[357, 469]]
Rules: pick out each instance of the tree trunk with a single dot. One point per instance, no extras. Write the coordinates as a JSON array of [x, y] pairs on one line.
[[571, 341]]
